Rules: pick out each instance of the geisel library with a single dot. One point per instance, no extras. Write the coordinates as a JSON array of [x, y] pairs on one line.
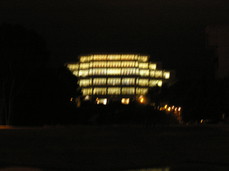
[[117, 77]]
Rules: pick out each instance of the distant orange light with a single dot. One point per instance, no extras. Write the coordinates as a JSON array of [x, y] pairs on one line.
[[169, 109], [125, 101], [141, 99]]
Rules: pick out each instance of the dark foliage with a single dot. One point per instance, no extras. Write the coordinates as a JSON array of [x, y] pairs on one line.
[[31, 93], [117, 113]]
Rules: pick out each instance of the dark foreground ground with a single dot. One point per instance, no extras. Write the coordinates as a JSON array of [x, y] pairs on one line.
[[118, 148]]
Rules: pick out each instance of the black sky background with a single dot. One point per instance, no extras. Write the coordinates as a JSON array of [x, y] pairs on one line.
[[170, 31]]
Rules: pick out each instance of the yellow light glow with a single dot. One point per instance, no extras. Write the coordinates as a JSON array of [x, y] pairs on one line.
[[128, 57], [159, 83], [114, 90], [85, 82], [113, 71], [169, 109], [144, 72], [76, 73], [128, 81], [84, 65], [141, 99], [152, 66], [86, 91], [128, 90], [99, 57], [166, 75], [128, 64], [166, 106], [84, 58], [143, 58], [144, 65], [99, 91], [125, 101], [95, 72], [87, 97], [141, 91], [99, 81], [113, 57], [72, 67], [114, 81], [83, 73], [143, 82], [158, 74], [101, 101]]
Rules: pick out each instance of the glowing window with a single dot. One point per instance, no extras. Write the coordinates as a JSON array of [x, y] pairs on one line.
[[84, 65], [114, 81], [128, 71], [128, 81], [152, 73], [159, 83], [72, 67], [143, 65], [166, 75], [99, 71], [125, 101], [141, 91], [101, 101], [90, 71], [128, 90], [84, 58], [113, 64], [144, 72], [127, 57], [114, 91], [99, 81], [84, 82], [76, 73], [152, 66], [128, 64], [86, 91], [83, 73], [98, 64], [113, 71], [113, 57], [143, 58], [99, 91], [153, 83], [158, 74], [100, 57], [143, 82]]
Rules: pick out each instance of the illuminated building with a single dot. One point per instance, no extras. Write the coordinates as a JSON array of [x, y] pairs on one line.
[[121, 77]]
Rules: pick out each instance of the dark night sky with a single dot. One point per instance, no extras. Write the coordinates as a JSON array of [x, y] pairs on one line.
[[171, 31]]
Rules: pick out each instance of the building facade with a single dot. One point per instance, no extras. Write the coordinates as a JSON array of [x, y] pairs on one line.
[[123, 77]]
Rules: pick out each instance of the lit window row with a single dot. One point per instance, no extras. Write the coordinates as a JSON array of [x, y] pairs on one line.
[[113, 57], [107, 71], [143, 65], [114, 91], [123, 71], [152, 66], [73, 67], [112, 64], [119, 81]]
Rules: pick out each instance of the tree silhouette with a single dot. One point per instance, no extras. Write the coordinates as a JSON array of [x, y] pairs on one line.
[[22, 54]]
